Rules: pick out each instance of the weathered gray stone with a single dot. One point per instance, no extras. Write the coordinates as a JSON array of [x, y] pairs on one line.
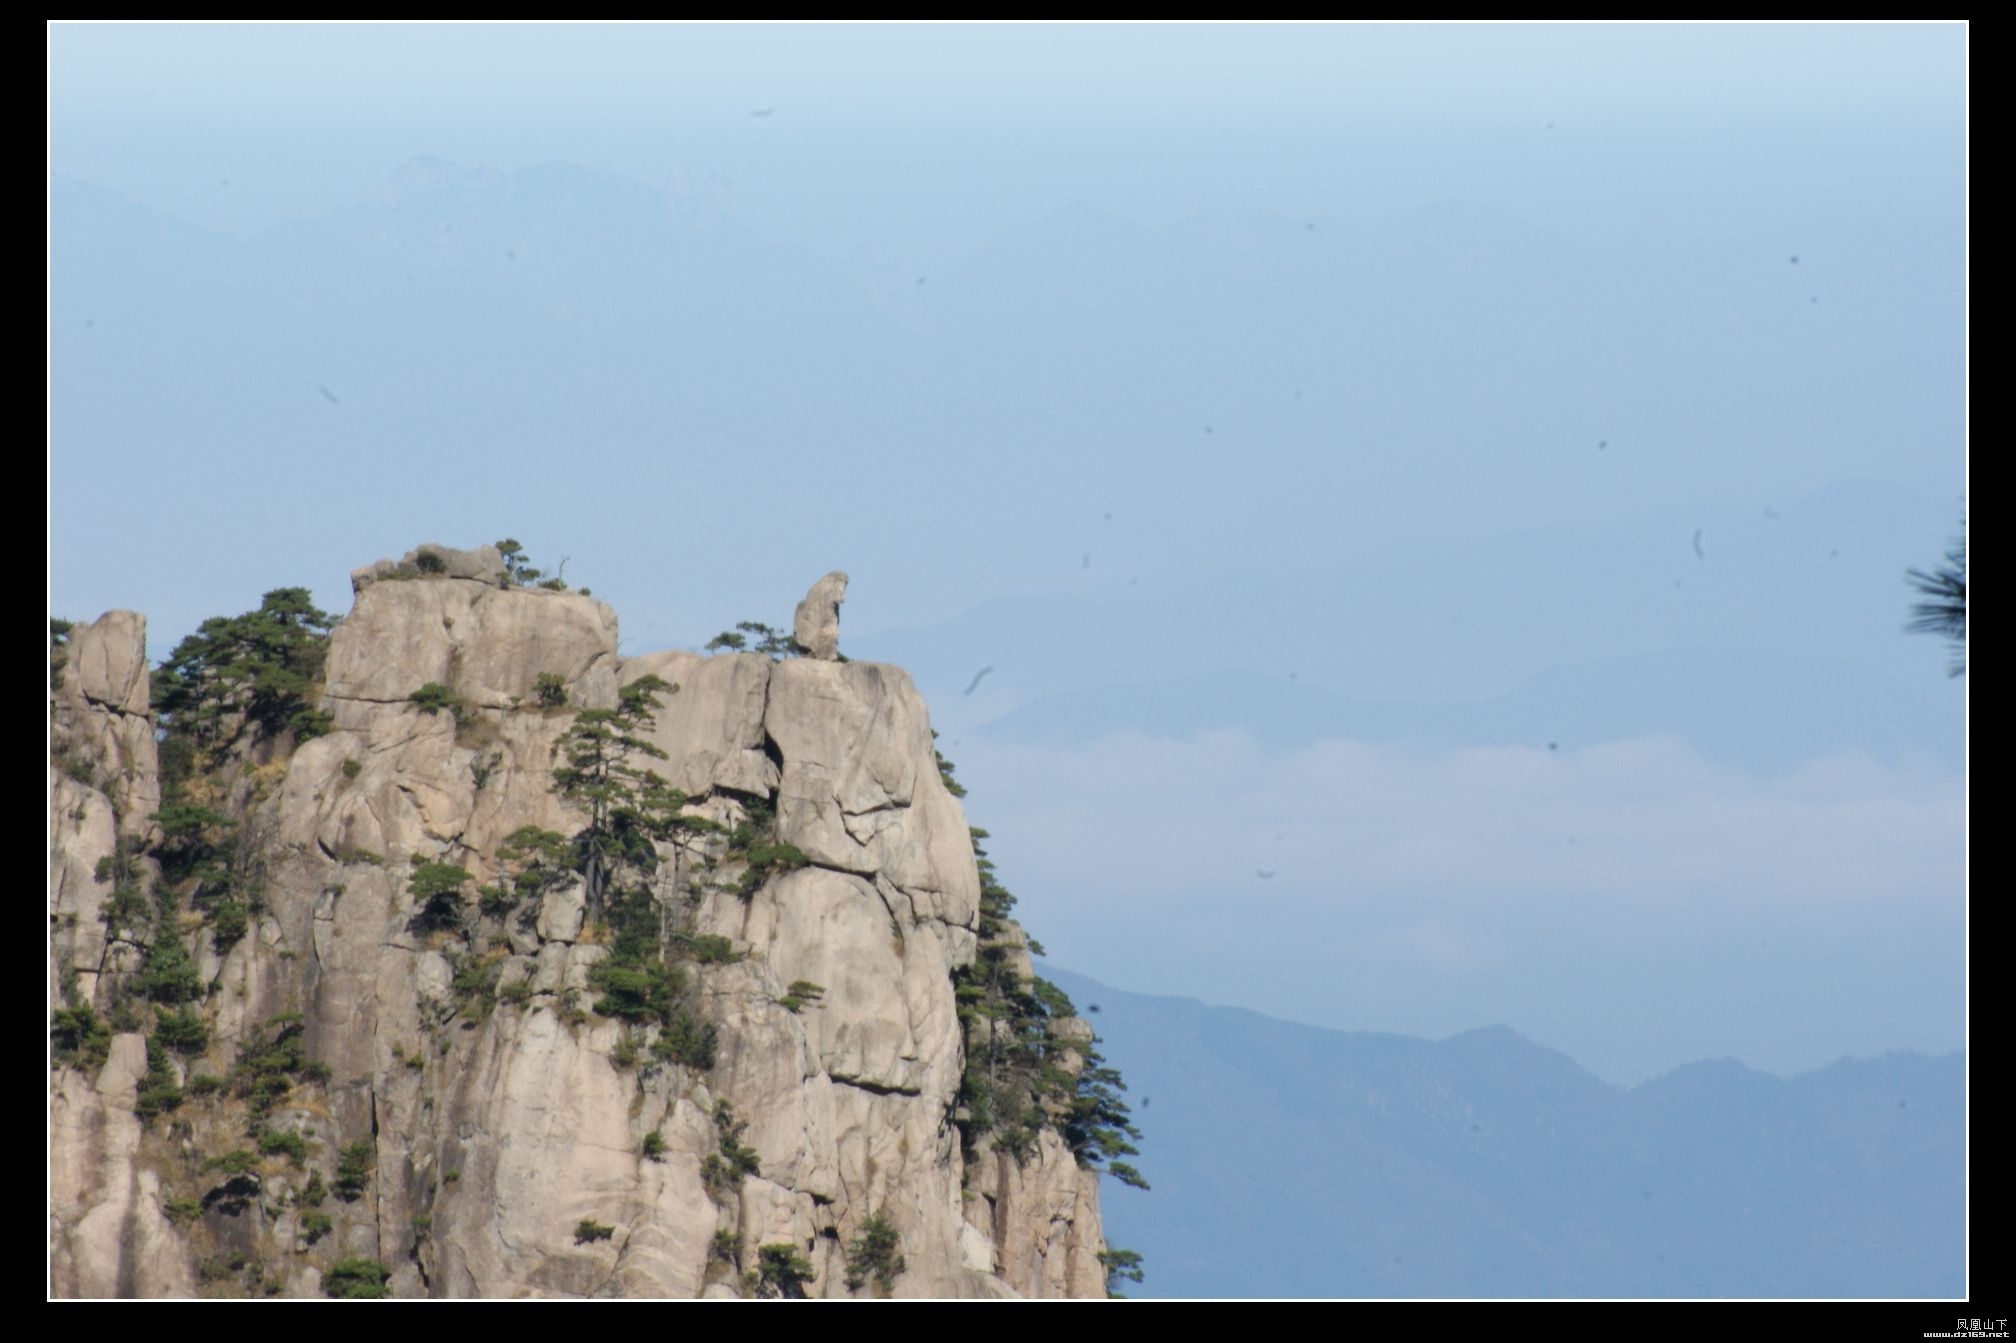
[[815, 625], [560, 913], [109, 1236], [551, 974], [518, 970], [860, 788], [1042, 1216], [81, 836], [104, 789], [101, 728], [580, 961], [488, 645], [431, 978], [711, 729], [524, 941], [546, 1135], [108, 661]]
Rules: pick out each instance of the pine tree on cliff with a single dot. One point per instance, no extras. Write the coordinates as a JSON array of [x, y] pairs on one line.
[[628, 806]]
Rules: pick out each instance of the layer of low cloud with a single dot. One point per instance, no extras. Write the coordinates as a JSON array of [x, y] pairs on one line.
[[1629, 904], [1645, 820]]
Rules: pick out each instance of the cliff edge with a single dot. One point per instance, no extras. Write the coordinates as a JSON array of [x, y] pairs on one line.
[[502, 966]]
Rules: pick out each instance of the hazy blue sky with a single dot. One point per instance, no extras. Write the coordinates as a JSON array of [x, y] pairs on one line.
[[1358, 370], [927, 141]]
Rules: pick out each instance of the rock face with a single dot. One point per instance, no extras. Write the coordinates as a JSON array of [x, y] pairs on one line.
[[112, 1237], [815, 625], [430, 1087], [104, 786]]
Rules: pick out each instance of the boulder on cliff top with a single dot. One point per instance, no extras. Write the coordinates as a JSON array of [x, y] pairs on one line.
[[108, 659], [489, 645], [815, 625], [484, 564]]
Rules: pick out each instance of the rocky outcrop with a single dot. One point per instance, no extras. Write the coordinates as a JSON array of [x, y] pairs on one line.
[[104, 787], [489, 644], [484, 564], [99, 715], [815, 625], [498, 1135]]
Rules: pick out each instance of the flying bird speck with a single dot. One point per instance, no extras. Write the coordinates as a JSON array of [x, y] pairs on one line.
[[1264, 873], [1699, 553], [327, 395], [761, 111], [1086, 561], [978, 676]]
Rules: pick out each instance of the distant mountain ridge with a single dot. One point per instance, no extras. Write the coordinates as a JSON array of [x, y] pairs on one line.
[[1295, 1161]]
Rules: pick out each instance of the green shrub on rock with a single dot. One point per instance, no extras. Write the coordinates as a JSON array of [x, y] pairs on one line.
[[353, 1170], [357, 1280], [877, 1254], [781, 1272]]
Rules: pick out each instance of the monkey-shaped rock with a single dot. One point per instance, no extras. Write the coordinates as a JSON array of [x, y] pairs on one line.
[[816, 623]]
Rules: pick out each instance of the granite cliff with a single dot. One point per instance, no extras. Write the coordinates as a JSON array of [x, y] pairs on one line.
[[341, 1007]]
